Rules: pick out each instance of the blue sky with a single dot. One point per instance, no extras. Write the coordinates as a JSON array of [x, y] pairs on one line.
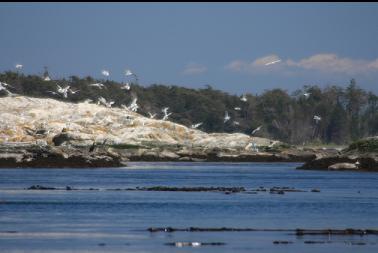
[[225, 45]]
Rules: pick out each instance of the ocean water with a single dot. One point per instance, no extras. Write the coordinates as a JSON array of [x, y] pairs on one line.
[[117, 221]]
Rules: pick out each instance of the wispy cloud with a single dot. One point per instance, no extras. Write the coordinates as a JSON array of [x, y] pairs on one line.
[[237, 65], [258, 65], [194, 69], [326, 63], [335, 64]]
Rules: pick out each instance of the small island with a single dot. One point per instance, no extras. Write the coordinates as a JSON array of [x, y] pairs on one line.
[[51, 133]]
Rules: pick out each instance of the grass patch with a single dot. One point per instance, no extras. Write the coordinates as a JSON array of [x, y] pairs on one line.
[[364, 145]]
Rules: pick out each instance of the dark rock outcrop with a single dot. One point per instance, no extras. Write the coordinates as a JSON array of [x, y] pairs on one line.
[[364, 162], [35, 156], [40, 187], [61, 138], [361, 155]]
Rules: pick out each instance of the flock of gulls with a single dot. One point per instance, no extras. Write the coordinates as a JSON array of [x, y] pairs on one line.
[[133, 106]]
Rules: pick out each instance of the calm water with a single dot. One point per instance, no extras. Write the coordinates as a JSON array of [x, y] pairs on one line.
[[78, 221]]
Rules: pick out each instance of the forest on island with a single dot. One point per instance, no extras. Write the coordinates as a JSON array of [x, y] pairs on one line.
[[347, 113]]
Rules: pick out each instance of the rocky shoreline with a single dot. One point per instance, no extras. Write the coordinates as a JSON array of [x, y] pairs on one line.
[[31, 155]]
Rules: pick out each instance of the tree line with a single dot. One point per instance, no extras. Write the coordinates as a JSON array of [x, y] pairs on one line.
[[347, 114]]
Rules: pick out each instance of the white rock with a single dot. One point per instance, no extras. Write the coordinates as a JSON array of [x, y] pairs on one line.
[[92, 122]]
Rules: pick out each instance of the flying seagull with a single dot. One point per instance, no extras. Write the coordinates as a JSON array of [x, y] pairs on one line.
[[87, 101], [272, 62], [166, 114], [152, 115], [226, 117], [129, 73], [73, 92], [255, 130], [63, 91], [105, 73], [126, 87], [2, 87], [5, 84], [237, 108], [104, 102], [317, 118], [243, 98], [18, 66], [196, 125], [133, 106], [307, 94], [97, 85], [52, 92]]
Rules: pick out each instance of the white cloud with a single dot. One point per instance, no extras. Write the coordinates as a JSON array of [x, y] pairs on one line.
[[373, 64], [333, 63], [257, 65], [236, 65], [194, 69], [327, 63]]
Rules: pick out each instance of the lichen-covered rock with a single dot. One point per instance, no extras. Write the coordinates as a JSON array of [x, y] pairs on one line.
[[87, 123]]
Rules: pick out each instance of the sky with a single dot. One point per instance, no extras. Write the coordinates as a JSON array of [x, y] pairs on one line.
[[226, 45]]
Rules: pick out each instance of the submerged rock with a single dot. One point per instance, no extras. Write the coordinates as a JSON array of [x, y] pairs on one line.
[[314, 242], [40, 187], [282, 190], [282, 242], [192, 189]]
